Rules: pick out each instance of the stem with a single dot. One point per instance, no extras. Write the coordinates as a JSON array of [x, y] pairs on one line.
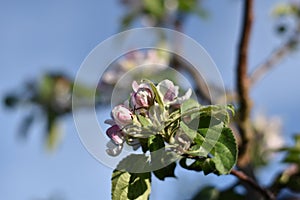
[[282, 179], [276, 56], [201, 89], [243, 82], [243, 177]]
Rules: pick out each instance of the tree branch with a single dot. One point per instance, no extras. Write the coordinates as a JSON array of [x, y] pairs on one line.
[[282, 179], [243, 83], [178, 63], [244, 178], [201, 89], [276, 56]]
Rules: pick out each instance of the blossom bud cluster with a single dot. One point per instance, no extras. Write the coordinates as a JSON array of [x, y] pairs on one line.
[[145, 98]]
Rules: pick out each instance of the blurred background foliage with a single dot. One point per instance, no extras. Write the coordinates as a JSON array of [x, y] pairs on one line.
[[48, 98]]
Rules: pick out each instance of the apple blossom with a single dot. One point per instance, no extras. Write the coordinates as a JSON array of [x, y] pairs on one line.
[[169, 93], [142, 97], [115, 134], [122, 115], [113, 149]]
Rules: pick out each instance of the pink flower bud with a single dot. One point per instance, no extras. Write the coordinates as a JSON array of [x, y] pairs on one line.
[[169, 93], [143, 98], [115, 134], [122, 115], [167, 90]]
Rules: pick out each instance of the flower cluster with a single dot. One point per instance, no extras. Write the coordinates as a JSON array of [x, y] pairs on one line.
[[143, 114]]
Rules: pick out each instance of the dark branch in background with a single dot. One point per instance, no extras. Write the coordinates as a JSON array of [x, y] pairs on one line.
[[201, 88], [276, 56], [283, 178], [243, 83], [246, 179]]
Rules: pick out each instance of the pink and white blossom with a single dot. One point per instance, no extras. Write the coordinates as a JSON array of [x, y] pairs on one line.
[[143, 112], [122, 115], [113, 149], [169, 93], [167, 90], [115, 134], [142, 97]]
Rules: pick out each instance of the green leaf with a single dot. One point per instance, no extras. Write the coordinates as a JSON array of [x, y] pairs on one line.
[[188, 105], [132, 178], [191, 133], [54, 136], [293, 153], [159, 157], [207, 136], [145, 122], [211, 193], [45, 88], [218, 143], [127, 185], [168, 171], [128, 19], [136, 163], [293, 156], [231, 109], [200, 164], [219, 112], [207, 193], [155, 8], [155, 143], [225, 152], [211, 137], [294, 182], [187, 5]]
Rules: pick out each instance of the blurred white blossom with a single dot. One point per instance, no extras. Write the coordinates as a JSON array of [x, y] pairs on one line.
[[158, 59], [270, 129]]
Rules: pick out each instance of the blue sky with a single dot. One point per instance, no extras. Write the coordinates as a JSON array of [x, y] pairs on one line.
[[37, 36]]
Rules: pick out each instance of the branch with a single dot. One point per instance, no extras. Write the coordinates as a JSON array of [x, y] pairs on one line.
[[243, 82], [201, 86], [244, 178], [282, 179], [201, 89], [276, 56]]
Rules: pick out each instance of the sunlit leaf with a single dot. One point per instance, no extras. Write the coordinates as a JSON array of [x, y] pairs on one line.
[[225, 152], [145, 122], [155, 7], [127, 185], [54, 136], [161, 158], [200, 164]]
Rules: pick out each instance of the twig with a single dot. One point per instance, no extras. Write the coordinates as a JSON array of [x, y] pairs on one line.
[[243, 177], [178, 63], [282, 179], [201, 87], [276, 56], [243, 81]]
